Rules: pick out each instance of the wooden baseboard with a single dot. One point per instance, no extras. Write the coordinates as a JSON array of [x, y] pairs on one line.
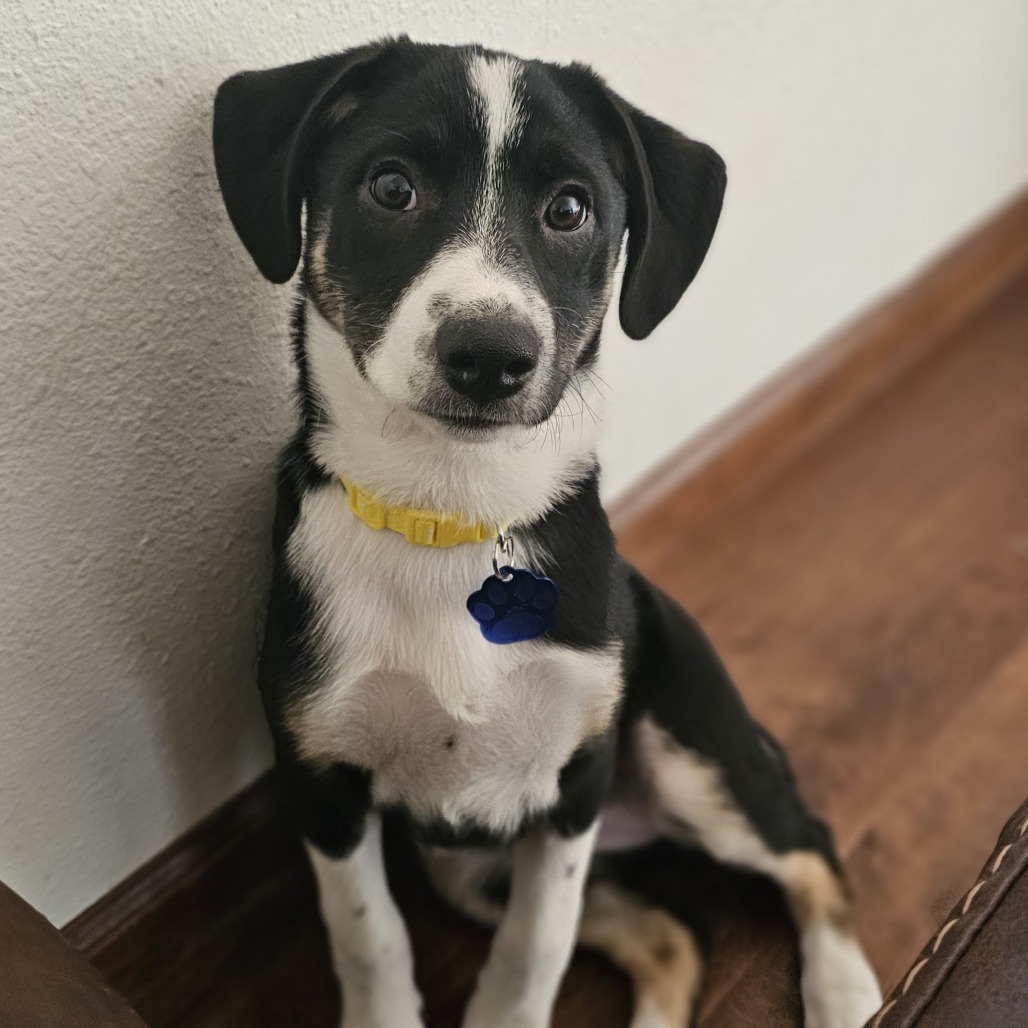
[[806, 399], [173, 937]]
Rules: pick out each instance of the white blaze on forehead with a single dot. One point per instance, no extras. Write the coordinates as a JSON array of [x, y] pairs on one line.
[[494, 85], [494, 81]]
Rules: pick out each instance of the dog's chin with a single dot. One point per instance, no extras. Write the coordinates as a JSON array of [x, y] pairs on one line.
[[463, 424], [469, 426], [474, 424]]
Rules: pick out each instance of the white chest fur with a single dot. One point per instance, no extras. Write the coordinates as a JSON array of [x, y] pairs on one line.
[[450, 725]]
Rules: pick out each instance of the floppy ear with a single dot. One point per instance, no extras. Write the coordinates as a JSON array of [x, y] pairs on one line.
[[675, 187], [265, 126]]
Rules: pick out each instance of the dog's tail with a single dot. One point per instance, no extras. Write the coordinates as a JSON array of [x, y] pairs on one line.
[[658, 952]]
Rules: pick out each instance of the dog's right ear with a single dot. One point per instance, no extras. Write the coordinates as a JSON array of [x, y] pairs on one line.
[[265, 127], [675, 188]]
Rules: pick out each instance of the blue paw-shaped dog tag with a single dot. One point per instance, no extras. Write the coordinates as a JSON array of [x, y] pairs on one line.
[[515, 608]]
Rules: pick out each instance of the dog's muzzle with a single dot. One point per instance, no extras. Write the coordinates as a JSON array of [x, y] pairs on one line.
[[486, 359]]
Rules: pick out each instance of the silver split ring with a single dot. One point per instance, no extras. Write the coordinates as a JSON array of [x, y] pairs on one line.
[[503, 555]]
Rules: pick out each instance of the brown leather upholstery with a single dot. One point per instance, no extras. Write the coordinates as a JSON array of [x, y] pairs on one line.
[[974, 972], [44, 983]]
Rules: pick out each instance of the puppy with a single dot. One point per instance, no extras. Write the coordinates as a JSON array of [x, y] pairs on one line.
[[464, 216]]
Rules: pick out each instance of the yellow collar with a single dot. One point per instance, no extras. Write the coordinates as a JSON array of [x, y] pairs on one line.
[[421, 527]]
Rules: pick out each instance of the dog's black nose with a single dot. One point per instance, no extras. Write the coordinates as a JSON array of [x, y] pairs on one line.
[[486, 359]]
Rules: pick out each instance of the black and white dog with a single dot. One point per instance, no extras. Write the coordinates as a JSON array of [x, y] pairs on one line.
[[465, 212]]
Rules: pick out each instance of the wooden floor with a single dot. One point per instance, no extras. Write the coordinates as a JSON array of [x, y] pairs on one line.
[[871, 599]]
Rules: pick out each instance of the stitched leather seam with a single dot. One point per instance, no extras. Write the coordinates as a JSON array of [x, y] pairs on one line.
[[986, 876], [881, 1013], [968, 943]]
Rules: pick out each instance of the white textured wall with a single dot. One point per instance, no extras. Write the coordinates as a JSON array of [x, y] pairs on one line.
[[143, 393]]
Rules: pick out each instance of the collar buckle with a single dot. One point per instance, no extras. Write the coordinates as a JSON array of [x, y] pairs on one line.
[[419, 527]]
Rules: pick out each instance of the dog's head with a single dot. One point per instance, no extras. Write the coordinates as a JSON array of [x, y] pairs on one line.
[[465, 212]]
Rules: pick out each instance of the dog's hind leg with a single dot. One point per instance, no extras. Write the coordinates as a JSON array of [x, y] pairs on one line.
[[712, 776], [693, 805]]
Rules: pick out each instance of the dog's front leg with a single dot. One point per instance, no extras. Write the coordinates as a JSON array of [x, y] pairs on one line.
[[536, 936], [370, 948]]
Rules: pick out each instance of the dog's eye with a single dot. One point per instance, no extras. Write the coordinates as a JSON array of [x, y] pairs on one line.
[[394, 191], [566, 212]]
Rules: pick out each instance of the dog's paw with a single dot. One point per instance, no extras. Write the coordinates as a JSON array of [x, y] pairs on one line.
[[515, 609], [390, 1011], [839, 987], [485, 1015]]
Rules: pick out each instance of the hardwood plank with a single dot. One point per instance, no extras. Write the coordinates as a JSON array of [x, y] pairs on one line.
[[929, 835]]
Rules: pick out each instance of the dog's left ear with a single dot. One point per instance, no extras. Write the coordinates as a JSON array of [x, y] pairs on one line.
[[675, 187], [265, 127]]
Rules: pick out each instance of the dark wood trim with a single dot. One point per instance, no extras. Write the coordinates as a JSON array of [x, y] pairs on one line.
[[808, 397], [172, 935], [158, 882], [178, 933]]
